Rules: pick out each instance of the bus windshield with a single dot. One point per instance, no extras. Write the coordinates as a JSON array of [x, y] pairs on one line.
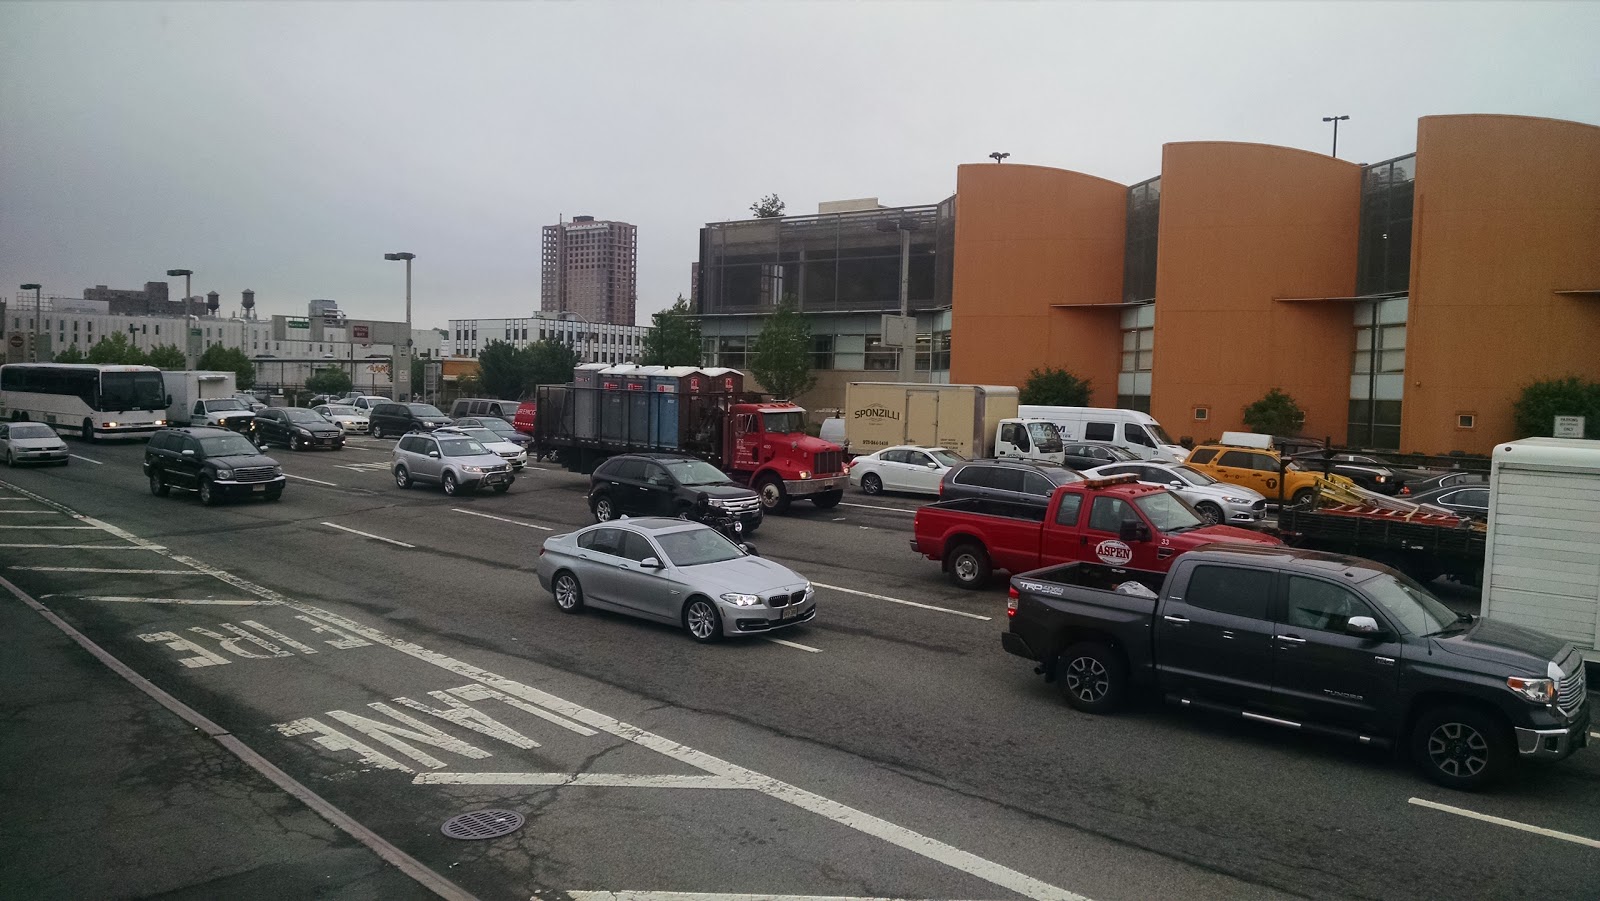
[[121, 391]]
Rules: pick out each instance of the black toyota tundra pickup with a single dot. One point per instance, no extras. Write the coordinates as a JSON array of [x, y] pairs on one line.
[[1307, 640]]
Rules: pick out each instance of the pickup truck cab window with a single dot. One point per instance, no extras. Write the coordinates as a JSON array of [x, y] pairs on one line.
[[1324, 606], [1230, 590], [1067, 514], [1108, 514]]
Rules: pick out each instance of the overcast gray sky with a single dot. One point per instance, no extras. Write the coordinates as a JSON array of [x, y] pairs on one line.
[[285, 147]]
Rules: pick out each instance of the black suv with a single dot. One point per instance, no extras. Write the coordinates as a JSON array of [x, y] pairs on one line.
[[1018, 481], [214, 462], [668, 485], [398, 419], [298, 428]]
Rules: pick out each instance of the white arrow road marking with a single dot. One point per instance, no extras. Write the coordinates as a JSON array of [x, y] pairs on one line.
[[515, 522], [1510, 824], [884, 597], [581, 780], [368, 535]]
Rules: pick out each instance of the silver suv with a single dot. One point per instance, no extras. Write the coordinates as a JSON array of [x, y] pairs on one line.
[[459, 463]]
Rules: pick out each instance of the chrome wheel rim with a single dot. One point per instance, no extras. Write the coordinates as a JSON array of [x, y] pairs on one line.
[[966, 567], [205, 492], [1210, 515], [1458, 750], [400, 477], [450, 484], [1086, 679], [702, 619], [602, 510], [566, 592], [771, 494], [871, 484]]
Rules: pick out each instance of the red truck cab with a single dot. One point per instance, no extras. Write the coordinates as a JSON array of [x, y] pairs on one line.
[[767, 445], [1115, 521]]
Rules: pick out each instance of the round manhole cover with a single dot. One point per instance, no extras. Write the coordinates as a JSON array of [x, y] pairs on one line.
[[482, 824]]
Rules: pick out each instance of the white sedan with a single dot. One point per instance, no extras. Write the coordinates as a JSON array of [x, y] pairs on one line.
[[1214, 501], [511, 453], [904, 468], [347, 418]]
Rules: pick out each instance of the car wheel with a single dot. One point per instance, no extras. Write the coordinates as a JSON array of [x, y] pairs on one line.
[[603, 509], [451, 487], [568, 593], [968, 565], [1092, 677], [88, 431], [1305, 499], [10, 461], [773, 498], [1211, 514], [702, 621], [502, 488], [294, 443], [159, 486], [1461, 747], [208, 493], [402, 478], [871, 484], [376, 430], [827, 500]]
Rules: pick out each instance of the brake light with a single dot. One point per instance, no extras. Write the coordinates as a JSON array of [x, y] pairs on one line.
[[1011, 601]]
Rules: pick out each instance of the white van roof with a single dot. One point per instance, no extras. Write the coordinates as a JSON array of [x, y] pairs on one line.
[[1045, 411], [1577, 453]]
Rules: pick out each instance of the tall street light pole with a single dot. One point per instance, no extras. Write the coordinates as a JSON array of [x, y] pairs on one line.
[[1335, 120], [191, 353], [33, 324], [402, 374]]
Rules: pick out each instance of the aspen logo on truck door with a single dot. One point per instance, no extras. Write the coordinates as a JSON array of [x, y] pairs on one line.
[[1113, 553]]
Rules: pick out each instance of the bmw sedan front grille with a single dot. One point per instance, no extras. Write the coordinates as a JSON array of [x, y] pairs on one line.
[[784, 600]]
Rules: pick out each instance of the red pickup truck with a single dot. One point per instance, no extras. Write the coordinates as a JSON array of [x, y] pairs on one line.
[[1115, 521]]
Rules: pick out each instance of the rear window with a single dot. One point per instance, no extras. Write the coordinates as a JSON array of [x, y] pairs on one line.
[[1226, 589], [977, 476]]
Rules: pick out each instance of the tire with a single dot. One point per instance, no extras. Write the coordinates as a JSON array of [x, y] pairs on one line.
[[773, 498], [568, 593], [451, 486], [1462, 748], [402, 477], [701, 620], [375, 430], [827, 500], [1092, 677], [871, 484], [969, 566], [294, 443], [1210, 513], [208, 493], [275, 495], [603, 509], [1304, 499], [88, 431], [159, 486], [502, 488], [10, 461]]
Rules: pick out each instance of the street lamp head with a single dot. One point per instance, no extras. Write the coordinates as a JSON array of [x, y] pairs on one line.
[[999, 157], [1334, 118], [180, 272], [29, 287], [399, 256]]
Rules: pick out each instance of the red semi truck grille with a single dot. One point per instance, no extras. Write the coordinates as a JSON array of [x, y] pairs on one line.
[[830, 463]]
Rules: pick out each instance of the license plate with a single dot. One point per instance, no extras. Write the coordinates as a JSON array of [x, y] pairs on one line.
[[791, 612], [258, 488], [495, 479]]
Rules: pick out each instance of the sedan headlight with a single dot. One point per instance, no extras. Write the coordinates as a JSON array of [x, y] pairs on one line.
[[1539, 691], [304, 433], [224, 473], [742, 600], [1237, 500]]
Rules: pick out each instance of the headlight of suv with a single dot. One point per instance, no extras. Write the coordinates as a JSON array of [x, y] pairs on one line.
[[1539, 691], [717, 502], [224, 473], [472, 469], [742, 600]]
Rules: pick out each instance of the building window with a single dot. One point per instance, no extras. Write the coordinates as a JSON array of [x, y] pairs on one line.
[[1201, 414], [1377, 368], [1383, 264], [1466, 420], [1139, 256], [1138, 357]]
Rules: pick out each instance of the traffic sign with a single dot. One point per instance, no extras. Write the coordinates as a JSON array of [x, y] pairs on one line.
[[16, 340]]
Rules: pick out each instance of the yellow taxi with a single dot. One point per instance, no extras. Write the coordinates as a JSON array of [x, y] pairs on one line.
[[1264, 470]]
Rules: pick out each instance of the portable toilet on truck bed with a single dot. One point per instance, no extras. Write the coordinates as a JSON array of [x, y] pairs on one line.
[[666, 389], [1542, 569], [586, 400]]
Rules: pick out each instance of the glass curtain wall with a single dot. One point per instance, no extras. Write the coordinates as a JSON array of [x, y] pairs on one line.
[[1384, 258], [1138, 356], [1139, 256], [1378, 367], [838, 342]]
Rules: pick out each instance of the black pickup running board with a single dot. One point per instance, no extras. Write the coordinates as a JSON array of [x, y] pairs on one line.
[[1240, 712]]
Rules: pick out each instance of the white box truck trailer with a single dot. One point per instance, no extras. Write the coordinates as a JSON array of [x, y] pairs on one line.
[[972, 420], [1542, 568], [202, 397]]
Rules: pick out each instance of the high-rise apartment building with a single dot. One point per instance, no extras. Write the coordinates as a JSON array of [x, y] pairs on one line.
[[589, 269]]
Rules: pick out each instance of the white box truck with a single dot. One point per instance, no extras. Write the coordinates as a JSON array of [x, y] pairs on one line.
[[973, 420], [1131, 429], [1542, 568], [201, 397]]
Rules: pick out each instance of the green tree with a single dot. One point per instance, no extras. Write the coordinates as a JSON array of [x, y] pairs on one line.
[[1053, 387], [229, 359], [168, 357], [71, 355], [503, 370], [549, 362], [419, 375], [768, 207], [115, 349], [332, 380], [1275, 413], [1536, 410], [673, 338], [782, 359]]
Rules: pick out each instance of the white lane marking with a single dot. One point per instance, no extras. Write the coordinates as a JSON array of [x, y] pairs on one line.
[[1511, 824], [86, 460], [1594, 734], [28, 512], [580, 780], [862, 822], [872, 507], [96, 569], [515, 522], [57, 528], [367, 535], [313, 481], [195, 601], [91, 547], [794, 644], [884, 597], [712, 896]]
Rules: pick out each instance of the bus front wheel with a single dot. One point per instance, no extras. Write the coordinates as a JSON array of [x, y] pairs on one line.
[[88, 431]]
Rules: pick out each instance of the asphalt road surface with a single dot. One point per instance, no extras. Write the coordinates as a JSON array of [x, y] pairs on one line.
[[392, 650]]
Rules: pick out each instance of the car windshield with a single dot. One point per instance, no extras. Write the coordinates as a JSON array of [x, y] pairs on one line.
[[425, 410], [693, 547], [223, 405], [1121, 453], [1045, 437], [32, 430], [695, 472], [1159, 433], [461, 447], [499, 425], [947, 457], [1193, 476], [228, 446], [341, 410], [784, 423], [1166, 512], [1410, 605], [306, 416], [132, 391], [483, 435]]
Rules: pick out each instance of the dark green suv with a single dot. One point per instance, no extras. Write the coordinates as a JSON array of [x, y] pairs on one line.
[[214, 463]]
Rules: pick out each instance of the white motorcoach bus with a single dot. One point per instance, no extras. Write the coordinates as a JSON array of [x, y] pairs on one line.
[[92, 401]]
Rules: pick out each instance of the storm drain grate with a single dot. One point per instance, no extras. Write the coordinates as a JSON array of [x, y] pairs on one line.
[[481, 824]]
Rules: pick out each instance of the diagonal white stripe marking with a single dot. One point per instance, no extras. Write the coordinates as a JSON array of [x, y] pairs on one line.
[[314, 481], [368, 535], [712, 896], [1510, 824], [884, 597], [579, 780], [515, 522], [91, 547], [86, 460], [28, 513], [795, 644], [199, 602], [874, 507], [96, 569], [53, 528]]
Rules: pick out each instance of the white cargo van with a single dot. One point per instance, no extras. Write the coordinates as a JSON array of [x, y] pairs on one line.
[[1542, 569], [1138, 432]]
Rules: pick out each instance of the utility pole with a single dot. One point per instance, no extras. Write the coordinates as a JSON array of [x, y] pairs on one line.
[[402, 373]]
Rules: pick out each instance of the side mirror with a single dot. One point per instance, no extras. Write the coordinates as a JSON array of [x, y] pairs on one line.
[[433, 454], [749, 549], [169, 400], [651, 563], [1362, 625], [1175, 483], [1133, 530]]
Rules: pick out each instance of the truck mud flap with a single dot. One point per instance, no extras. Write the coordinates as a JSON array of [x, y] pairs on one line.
[[1016, 645]]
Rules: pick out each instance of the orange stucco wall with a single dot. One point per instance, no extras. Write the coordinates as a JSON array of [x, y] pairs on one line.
[[1028, 237], [1242, 224], [1507, 213]]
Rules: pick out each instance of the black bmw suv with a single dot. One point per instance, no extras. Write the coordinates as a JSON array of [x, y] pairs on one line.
[[215, 463], [668, 485]]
